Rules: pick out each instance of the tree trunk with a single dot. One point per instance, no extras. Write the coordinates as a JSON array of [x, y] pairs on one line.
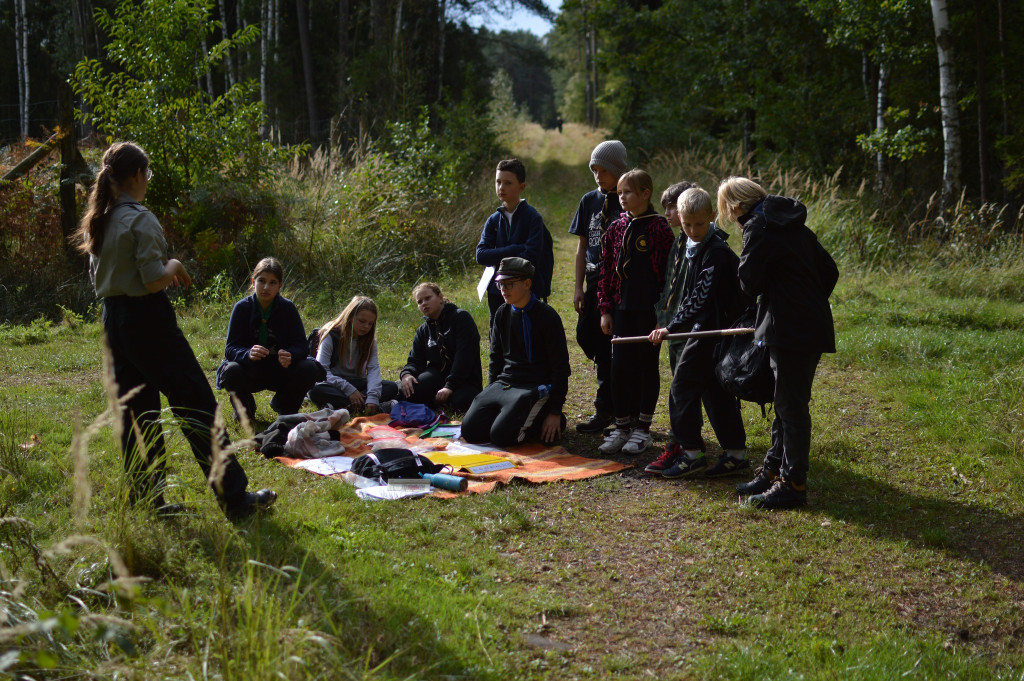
[[442, 29], [983, 155], [947, 98], [21, 47], [302, 17], [1002, 85], [395, 66], [593, 70], [264, 49], [377, 23], [68, 158], [881, 102], [344, 12], [225, 32]]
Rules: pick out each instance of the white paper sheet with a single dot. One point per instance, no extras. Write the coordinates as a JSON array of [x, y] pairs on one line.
[[328, 465], [481, 288]]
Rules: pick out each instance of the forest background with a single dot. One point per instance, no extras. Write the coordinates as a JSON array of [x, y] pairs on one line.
[[909, 106], [365, 162]]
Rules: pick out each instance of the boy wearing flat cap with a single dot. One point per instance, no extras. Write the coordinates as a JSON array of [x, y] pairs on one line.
[[529, 370]]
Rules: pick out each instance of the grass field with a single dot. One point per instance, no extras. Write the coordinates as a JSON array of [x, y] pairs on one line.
[[906, 564]]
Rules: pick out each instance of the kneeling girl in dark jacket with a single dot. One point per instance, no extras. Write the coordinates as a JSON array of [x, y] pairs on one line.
[[443, 368], [266, 346]]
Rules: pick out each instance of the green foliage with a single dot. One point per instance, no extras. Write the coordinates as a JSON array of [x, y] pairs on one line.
[[152, 96], [904, 142]]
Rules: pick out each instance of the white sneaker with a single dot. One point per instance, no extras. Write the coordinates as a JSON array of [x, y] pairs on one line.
[[614, 442], [638, 441]]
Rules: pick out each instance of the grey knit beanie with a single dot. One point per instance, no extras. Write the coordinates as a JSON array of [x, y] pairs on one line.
[[610, 155]]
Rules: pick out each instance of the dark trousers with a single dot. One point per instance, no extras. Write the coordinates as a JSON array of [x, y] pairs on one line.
[[791, 429], [326, 395], [597, 347], [151, 353], [289, 385], [503, 415], [635, 379], [693, 383], [430, 381]]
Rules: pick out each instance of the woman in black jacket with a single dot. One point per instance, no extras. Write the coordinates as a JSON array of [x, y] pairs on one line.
[[443, 368], [793, 275]]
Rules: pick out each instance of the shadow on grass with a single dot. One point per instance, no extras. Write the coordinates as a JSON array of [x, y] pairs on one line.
[[372, 629], [963, 530]]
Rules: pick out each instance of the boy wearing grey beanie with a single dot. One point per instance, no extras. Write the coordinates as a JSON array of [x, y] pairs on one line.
[[597, 209]]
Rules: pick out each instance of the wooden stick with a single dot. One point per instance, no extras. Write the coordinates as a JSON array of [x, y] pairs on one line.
[[692, 334]]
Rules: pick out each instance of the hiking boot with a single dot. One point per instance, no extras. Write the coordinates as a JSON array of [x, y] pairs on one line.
[[597, 423], [686, 468], [726, 466], [783, 494], [252, 503], [762, 482], [639, 440], [614, 442], [666, 460]]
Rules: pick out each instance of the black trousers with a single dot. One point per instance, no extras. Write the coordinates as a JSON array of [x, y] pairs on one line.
[[289, 385], [693, 383], [326, 395], [504, 415], [789, 453], [597, 347], [635, 380], [430, 381], [151, 353]]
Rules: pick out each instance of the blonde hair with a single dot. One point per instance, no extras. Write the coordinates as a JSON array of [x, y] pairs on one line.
[[638, 180], [695, 201], [120, 162], [344, 322], [738, 192], [430, 285]]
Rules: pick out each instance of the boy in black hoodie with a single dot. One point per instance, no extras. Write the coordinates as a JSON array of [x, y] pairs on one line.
[[709, 290]]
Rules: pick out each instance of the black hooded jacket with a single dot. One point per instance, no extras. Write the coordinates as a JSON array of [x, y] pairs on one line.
[[709, 287], [783, 263], [451, 346]]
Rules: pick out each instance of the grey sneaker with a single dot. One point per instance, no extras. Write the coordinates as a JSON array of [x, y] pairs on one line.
[[614, 443], [638, 441]]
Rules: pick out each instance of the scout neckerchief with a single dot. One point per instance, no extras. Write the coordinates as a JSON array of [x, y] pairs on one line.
[[527, 326], [264, 332]]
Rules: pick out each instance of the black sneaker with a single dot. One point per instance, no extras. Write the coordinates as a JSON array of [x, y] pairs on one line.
[[762, 482], [781, 495], [596, 424], [726, 466], [685, 468], [254, 502]]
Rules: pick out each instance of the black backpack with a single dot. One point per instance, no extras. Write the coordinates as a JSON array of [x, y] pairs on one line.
[[391, 463], [743, 368]]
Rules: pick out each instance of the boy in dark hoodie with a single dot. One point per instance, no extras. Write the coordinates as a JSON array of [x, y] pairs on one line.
[[709, 290], [793, 275]]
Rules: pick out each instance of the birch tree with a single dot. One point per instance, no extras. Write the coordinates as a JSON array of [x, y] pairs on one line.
[[21, 47], [951, 151]]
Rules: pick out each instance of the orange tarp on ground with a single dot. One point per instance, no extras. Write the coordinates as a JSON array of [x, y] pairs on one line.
[[534, 462]]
